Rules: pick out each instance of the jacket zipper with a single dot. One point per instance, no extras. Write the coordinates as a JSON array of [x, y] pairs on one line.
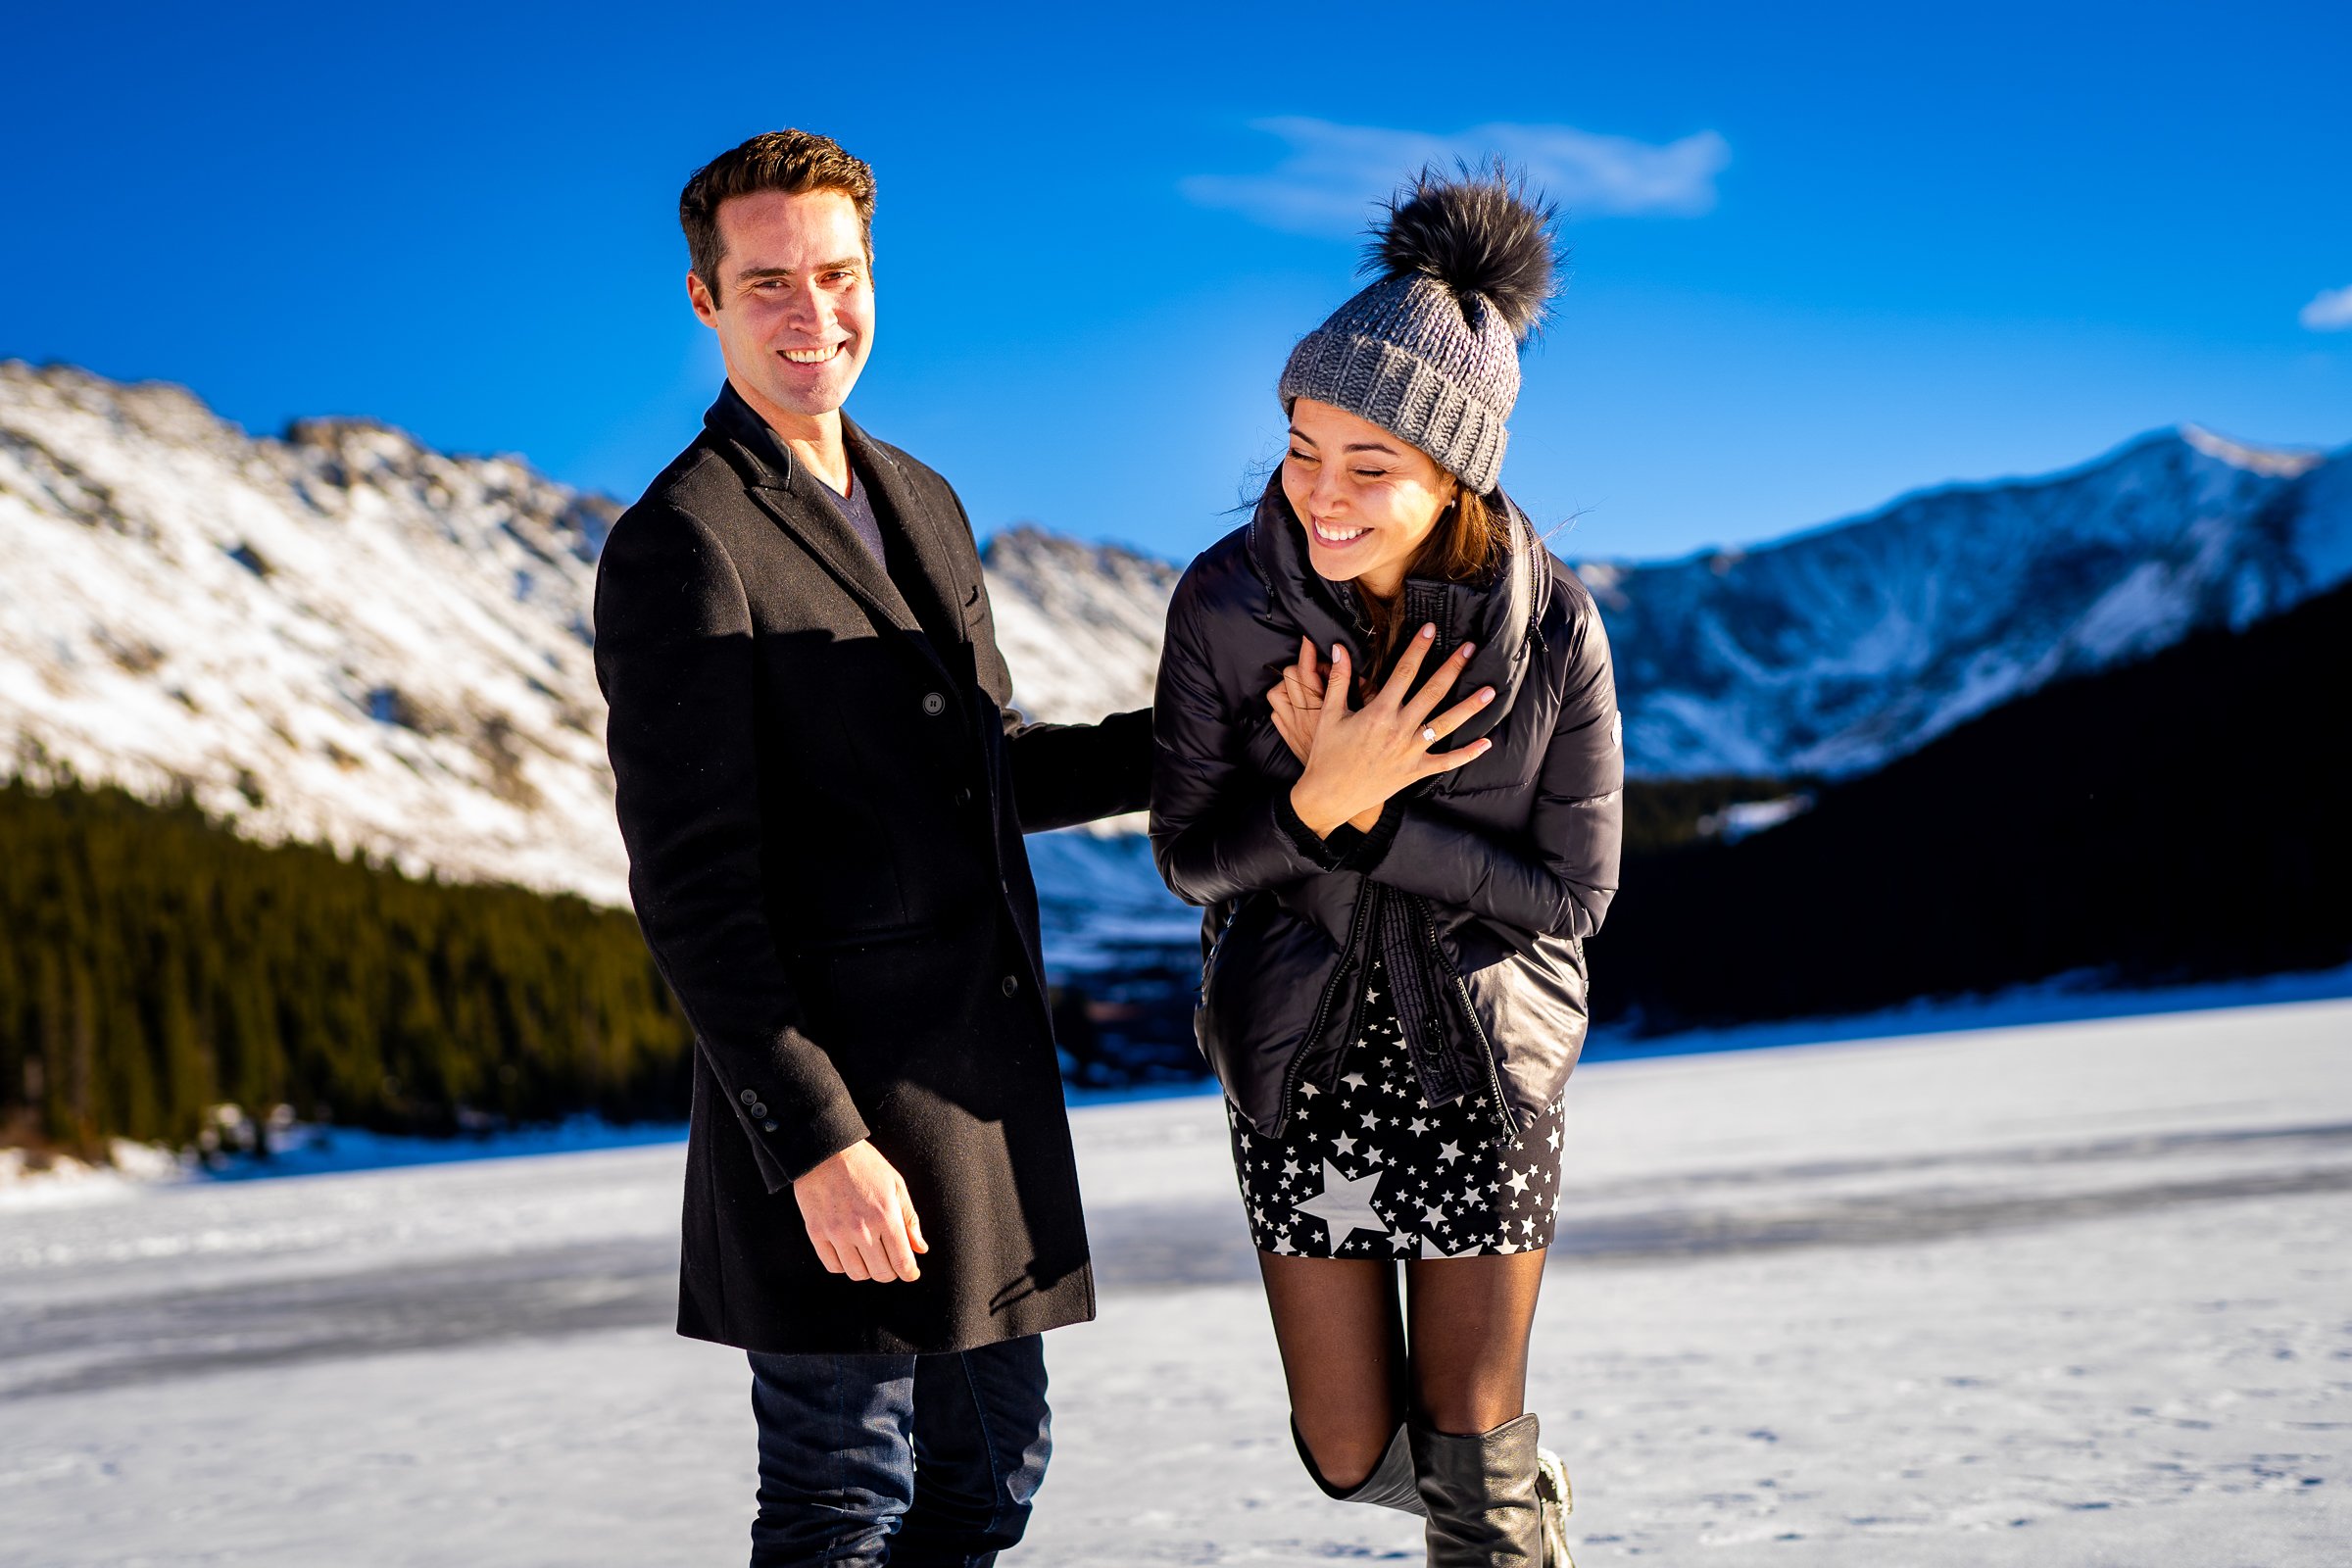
[[1217, 946], [1365, 899], [1478, 1031]]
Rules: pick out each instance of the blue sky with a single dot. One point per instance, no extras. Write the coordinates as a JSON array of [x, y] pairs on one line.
[[1819, 253]]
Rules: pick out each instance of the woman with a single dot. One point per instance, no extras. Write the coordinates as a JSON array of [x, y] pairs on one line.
[[1399, 859]]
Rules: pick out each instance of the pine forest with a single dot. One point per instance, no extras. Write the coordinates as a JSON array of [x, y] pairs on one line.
[[155, 966]]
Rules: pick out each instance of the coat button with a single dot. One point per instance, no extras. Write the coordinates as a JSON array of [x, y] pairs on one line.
[[934, 704], [750, 1097], [1011, 984], [759, 1110], [963, 797]]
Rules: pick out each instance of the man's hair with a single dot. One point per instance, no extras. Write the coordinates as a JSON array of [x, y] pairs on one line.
[[794, 161]]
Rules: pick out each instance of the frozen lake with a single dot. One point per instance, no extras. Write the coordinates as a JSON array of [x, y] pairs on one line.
[[2067, 1294]]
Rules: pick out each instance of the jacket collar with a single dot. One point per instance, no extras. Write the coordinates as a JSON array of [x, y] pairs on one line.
[[1499, 614], [789, 493]]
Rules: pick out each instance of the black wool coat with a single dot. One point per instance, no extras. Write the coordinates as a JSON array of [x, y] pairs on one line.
[[1478, 886], [823, 787]]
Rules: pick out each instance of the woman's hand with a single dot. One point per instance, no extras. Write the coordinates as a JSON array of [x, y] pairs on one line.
[[1297, 700], [1357, 758]]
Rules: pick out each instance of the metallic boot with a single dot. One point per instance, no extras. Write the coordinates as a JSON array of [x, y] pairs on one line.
[[1390, 1485], [1484, 1510], [1552, 1489]]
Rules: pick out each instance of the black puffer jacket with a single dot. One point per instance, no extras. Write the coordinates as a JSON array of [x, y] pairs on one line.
[[1478, 885]]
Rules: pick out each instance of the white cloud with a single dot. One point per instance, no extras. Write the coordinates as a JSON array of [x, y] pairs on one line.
[[1333, 172], [2329, 310]]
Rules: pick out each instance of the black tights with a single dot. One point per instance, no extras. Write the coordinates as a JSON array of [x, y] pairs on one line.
[[1455, 1353]]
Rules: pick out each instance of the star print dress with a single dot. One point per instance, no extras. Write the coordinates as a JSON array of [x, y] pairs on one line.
[[1375, 1170]]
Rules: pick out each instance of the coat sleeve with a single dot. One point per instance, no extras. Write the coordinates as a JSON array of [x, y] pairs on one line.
[[1216, 823], [1063, 774], [675, 660], [1560, 879]]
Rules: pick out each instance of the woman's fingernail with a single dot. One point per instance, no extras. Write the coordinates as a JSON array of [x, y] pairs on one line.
[[1486, 694], [1429, 630], [1466, 651]]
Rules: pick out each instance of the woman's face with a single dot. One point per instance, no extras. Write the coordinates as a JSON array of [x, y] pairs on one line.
[[1366, 499]]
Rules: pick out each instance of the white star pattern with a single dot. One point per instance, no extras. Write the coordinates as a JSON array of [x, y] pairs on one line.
[[1449, 1199], [1345, 1207]]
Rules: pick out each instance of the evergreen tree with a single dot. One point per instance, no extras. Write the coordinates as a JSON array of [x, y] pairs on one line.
[[154, 964]]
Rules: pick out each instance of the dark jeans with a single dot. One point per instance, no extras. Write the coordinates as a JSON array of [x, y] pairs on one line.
[[918, 1462]]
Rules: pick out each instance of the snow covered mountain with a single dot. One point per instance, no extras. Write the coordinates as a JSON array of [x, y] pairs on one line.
[[344, 637], [339, 637], [1079, 625], [1841, 649]]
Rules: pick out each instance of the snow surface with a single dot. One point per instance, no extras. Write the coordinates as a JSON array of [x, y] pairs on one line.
[[2075, 1294]]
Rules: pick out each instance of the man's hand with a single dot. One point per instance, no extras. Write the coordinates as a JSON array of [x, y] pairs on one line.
[[859, 1217]]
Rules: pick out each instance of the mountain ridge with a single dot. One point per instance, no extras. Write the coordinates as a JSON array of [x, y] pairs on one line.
[[1839, 649], [341, 636], [2183, 822]]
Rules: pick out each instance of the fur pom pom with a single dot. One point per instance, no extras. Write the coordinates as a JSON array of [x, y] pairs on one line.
[[1477, 234]]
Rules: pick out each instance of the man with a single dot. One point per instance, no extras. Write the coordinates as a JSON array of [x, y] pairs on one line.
[[823, 791]]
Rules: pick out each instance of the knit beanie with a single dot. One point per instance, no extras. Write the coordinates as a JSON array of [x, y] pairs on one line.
[[1429, 351]]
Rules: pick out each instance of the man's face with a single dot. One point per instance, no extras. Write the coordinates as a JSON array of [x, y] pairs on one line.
[[795, 310]]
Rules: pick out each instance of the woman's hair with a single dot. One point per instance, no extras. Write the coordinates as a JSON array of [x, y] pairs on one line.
[[1470, 539]]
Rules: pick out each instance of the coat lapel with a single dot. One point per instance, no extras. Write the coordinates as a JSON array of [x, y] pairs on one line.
[[789, 493], [819, 525], [926, 532]]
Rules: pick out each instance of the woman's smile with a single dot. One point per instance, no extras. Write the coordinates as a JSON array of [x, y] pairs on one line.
[[1335, 537]]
